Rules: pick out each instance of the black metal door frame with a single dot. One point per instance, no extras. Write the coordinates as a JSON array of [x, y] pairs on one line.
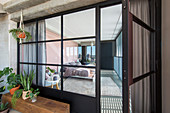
[[155, 58], [94, 102], [79, 103]]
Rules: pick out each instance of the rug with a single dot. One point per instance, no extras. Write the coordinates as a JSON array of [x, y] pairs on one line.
[[87, 87]]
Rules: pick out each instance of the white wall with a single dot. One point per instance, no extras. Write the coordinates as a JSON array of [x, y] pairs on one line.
[[166, 56], [8, 46], [4, 49]]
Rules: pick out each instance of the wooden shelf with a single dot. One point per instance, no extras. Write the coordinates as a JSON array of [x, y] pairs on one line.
[[42, 105]]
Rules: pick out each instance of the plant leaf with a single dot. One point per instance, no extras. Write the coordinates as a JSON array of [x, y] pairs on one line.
[[2, 89], [1, 81]]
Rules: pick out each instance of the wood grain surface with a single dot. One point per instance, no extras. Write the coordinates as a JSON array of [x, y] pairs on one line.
[[42, 105]]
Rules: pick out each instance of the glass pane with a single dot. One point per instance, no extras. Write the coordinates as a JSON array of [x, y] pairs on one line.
[[140, 96], [119, 46], [111, 59], [49, 29], [80, 52], [79, 24], [111, 22], [28, 53], [31, 28], [49, 52], [79, 80], [49, 76], [27, 68]]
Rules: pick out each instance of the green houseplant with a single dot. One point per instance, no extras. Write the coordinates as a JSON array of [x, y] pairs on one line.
[[4, 106], [33, 95], [17, 94], [5, 71], [14, 82], [20, 34], [26, 81]]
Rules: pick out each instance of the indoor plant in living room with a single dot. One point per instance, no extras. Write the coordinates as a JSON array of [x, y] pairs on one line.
[[33, 95], [14, 83], [6, 71], [20, 34], [4, 106], [26, 81]]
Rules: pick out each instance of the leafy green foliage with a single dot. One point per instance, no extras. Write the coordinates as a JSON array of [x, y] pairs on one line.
[[15, 31], [2, 89], [15, 96], [13, 80], [26, 80], [51, 70], [3, 106], [28, 35], [33, 93], [5, 71]]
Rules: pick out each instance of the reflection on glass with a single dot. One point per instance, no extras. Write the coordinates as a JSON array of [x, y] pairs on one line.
[[111, 59], [28, 53], [49, 52], [111, 22], [79, 52], [79, 24], [79, 80], [49, 76], [52, 28]]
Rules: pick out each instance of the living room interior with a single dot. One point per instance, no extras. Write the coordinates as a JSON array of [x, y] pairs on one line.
[[96, 57]]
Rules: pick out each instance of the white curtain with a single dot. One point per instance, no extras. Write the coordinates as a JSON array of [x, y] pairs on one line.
[[140, 91], [28, 52], [41, 52]]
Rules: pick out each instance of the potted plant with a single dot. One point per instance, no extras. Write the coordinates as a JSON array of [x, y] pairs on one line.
[[26, 81], [4, 106], [17, 94], [33, 95], [14, 83], [20, 34]]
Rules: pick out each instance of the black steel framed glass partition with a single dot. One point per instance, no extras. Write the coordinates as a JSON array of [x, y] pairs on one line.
[[90, 51]]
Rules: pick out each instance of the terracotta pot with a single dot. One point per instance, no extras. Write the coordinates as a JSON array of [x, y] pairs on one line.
[[5, 111], [24, 93], [12, 91], [21, 35]]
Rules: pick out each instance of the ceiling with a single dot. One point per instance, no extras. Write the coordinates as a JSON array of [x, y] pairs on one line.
[[82, 24]]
